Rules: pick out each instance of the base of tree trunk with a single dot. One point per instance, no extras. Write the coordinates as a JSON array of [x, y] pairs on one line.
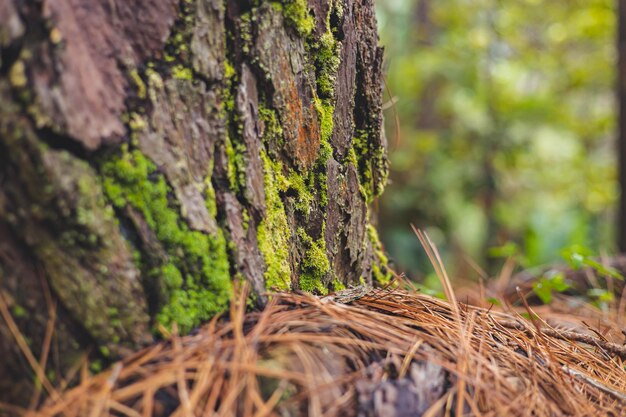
[[152, 156]]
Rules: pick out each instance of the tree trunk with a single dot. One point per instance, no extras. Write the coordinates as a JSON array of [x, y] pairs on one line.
[[152, 154]]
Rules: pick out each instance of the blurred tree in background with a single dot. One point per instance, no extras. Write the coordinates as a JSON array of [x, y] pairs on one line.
[[506, 112]]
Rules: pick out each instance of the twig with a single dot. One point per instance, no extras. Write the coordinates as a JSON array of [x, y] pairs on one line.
[[570, 336], [594, 383]]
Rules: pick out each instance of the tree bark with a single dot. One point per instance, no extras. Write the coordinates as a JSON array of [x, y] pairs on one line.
[[152, 154]]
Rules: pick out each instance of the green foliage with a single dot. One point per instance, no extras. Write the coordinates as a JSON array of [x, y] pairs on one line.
[[578, 256], [601, 297], [507, 120], [494, 301], [545, 286]]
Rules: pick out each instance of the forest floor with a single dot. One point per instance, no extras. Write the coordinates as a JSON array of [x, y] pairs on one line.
[[383, 352]]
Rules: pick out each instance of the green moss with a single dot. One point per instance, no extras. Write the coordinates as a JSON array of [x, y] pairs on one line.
[[315, 265], [325, 112], [155, 83], [354, 160], [245, 32], [273, 135], [246, 219], [181, 72], [380, 271], [304, 198], [229, 70], [296, 13], [325, 115], [209, 192], [236, 164], [233, 143], [380, 275], [96, 366], [322, 186], [302, 185], [338, 285], [195, 276], [230, 80], [136, 122], [369, 159], [338, 8], [273, 232], [326, 60], [177, 57], [177, 45], [326, 57], [141, 86]]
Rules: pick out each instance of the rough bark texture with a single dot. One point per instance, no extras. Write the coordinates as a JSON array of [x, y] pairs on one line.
[[150, 155]]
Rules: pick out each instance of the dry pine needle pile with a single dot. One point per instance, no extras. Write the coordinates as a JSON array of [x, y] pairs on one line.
[[384, 353]]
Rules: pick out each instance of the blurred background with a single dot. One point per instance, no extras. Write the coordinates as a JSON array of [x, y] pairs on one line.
[[501, 124]]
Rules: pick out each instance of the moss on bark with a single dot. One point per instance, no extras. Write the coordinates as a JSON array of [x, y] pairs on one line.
[[188, 145], [273, 232], [195, 275]]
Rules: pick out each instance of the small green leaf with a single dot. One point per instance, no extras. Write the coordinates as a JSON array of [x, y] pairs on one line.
[[494, 301], [601, 295], [606, 271], [576, 255], [543, 291], [558, 283]]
